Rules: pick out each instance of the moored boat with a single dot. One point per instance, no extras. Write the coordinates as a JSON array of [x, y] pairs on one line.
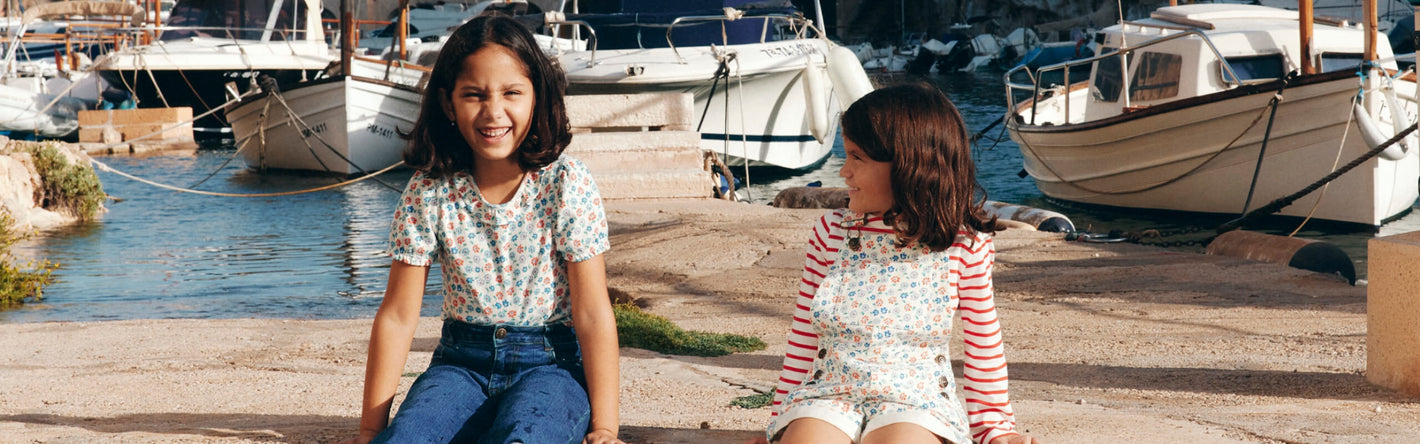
[[1179, 107], [346, 122], [207, 44], [768, 89]]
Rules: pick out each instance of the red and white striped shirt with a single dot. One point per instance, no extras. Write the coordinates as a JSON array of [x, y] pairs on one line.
[[985, 381]]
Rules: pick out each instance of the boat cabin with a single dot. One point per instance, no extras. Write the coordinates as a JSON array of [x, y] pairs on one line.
[[1258, 44]]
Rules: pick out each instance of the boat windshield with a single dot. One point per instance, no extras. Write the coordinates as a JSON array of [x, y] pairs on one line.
[[239, 19]]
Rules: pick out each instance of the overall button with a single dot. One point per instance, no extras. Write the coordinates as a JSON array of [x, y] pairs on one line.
[[818, 374], [822, 352], [941, 359], [501, 333], [944, 382]]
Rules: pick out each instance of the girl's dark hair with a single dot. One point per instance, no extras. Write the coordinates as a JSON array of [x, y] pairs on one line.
[[435, 145], [934, 190]]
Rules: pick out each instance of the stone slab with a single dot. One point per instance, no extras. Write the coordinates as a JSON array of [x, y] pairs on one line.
[[672, 111], [1392, 307]]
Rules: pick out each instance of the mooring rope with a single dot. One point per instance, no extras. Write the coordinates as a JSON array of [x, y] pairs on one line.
[[110, 169], [1284, 201]]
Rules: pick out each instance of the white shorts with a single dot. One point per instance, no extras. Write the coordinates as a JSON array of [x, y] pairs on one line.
[[856, 420]]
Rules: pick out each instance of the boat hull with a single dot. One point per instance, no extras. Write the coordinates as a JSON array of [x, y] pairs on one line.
[[346, 126], [1183, 156], [762, 112]]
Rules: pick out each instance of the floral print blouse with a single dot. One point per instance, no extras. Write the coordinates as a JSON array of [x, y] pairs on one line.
[[502, 263]]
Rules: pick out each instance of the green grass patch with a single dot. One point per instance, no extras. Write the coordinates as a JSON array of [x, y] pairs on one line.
[[19, 283], [636, 328], [70, 188], [754, 401]]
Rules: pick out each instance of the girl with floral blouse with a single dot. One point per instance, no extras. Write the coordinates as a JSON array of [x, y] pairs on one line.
[[518, 233]]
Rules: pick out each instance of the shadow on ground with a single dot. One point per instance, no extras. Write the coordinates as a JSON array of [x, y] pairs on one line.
[[251, 427]]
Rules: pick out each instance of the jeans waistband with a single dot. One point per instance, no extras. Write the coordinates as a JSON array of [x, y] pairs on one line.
[[505, 334]]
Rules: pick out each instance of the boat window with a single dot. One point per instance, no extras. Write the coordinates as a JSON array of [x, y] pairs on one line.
[[1156, 76], [1254, 69], [1339, 61], [1109, 80]]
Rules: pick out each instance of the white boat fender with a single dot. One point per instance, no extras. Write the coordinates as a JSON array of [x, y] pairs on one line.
[[849, 79], [1305, 254], [1374, 137], [1398, 120], [1042, 220], [815, 88]]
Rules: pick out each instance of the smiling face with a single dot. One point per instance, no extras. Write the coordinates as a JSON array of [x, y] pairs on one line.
[[492, 103], [869, 181]]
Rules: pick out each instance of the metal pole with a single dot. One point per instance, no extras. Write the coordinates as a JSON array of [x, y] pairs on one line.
[[818, 11]]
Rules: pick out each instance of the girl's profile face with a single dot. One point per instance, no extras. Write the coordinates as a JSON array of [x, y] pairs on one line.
[[491, 102], [869, 181]]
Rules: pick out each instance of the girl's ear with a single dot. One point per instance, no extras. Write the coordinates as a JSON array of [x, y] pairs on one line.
[[444, 103]]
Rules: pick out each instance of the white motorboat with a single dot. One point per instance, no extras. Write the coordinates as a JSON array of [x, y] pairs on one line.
[[207, 44], [38, 95], [1179, 125], [768, 86]]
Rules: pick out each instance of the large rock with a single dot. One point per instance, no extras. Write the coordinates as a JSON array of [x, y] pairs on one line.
[[20, 184]]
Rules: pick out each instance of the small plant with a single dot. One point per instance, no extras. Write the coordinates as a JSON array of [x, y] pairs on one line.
[[636, 328], [70, 188], [754, 401], [16, 283]]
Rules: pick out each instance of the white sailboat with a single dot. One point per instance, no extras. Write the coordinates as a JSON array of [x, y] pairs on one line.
[[1178, 110], [768, 85], [346, 123]]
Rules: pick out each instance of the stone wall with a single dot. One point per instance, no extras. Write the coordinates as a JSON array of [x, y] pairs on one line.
[[20, 184]]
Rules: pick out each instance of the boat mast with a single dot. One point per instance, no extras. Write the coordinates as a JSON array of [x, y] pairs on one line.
[[1370, 28], [347, 36], [1304, 18]]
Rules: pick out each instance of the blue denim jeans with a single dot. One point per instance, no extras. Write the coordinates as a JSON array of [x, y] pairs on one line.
[[497, 384]]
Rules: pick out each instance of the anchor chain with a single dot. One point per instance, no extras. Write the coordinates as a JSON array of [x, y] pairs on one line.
[[1150, 237]]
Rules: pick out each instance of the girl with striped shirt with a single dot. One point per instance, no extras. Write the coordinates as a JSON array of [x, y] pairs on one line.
[[868, 355]]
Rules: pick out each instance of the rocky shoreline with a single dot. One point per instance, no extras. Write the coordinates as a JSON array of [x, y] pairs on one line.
[[1106, 343], [21, 182]]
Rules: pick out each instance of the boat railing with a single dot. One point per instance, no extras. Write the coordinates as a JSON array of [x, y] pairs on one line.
[[794, 22], [1034, 86], [591, 40]]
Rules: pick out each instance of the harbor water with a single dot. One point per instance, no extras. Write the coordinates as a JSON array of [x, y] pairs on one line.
[[163, 254]]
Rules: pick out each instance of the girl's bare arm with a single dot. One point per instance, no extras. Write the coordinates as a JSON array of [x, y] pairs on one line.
[[596, 333], [390, 338]]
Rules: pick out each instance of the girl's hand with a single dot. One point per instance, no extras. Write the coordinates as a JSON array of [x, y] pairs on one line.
[[1017, 439], [601, 436]]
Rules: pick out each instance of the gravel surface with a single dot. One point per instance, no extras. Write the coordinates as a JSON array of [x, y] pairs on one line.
[[1106, 343]]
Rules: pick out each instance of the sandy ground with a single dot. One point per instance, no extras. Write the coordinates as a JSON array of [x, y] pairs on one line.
[[1106, 343]]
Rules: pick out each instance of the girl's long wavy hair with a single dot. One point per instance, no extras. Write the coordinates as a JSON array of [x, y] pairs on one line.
[[435, 145], [934, 190]]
